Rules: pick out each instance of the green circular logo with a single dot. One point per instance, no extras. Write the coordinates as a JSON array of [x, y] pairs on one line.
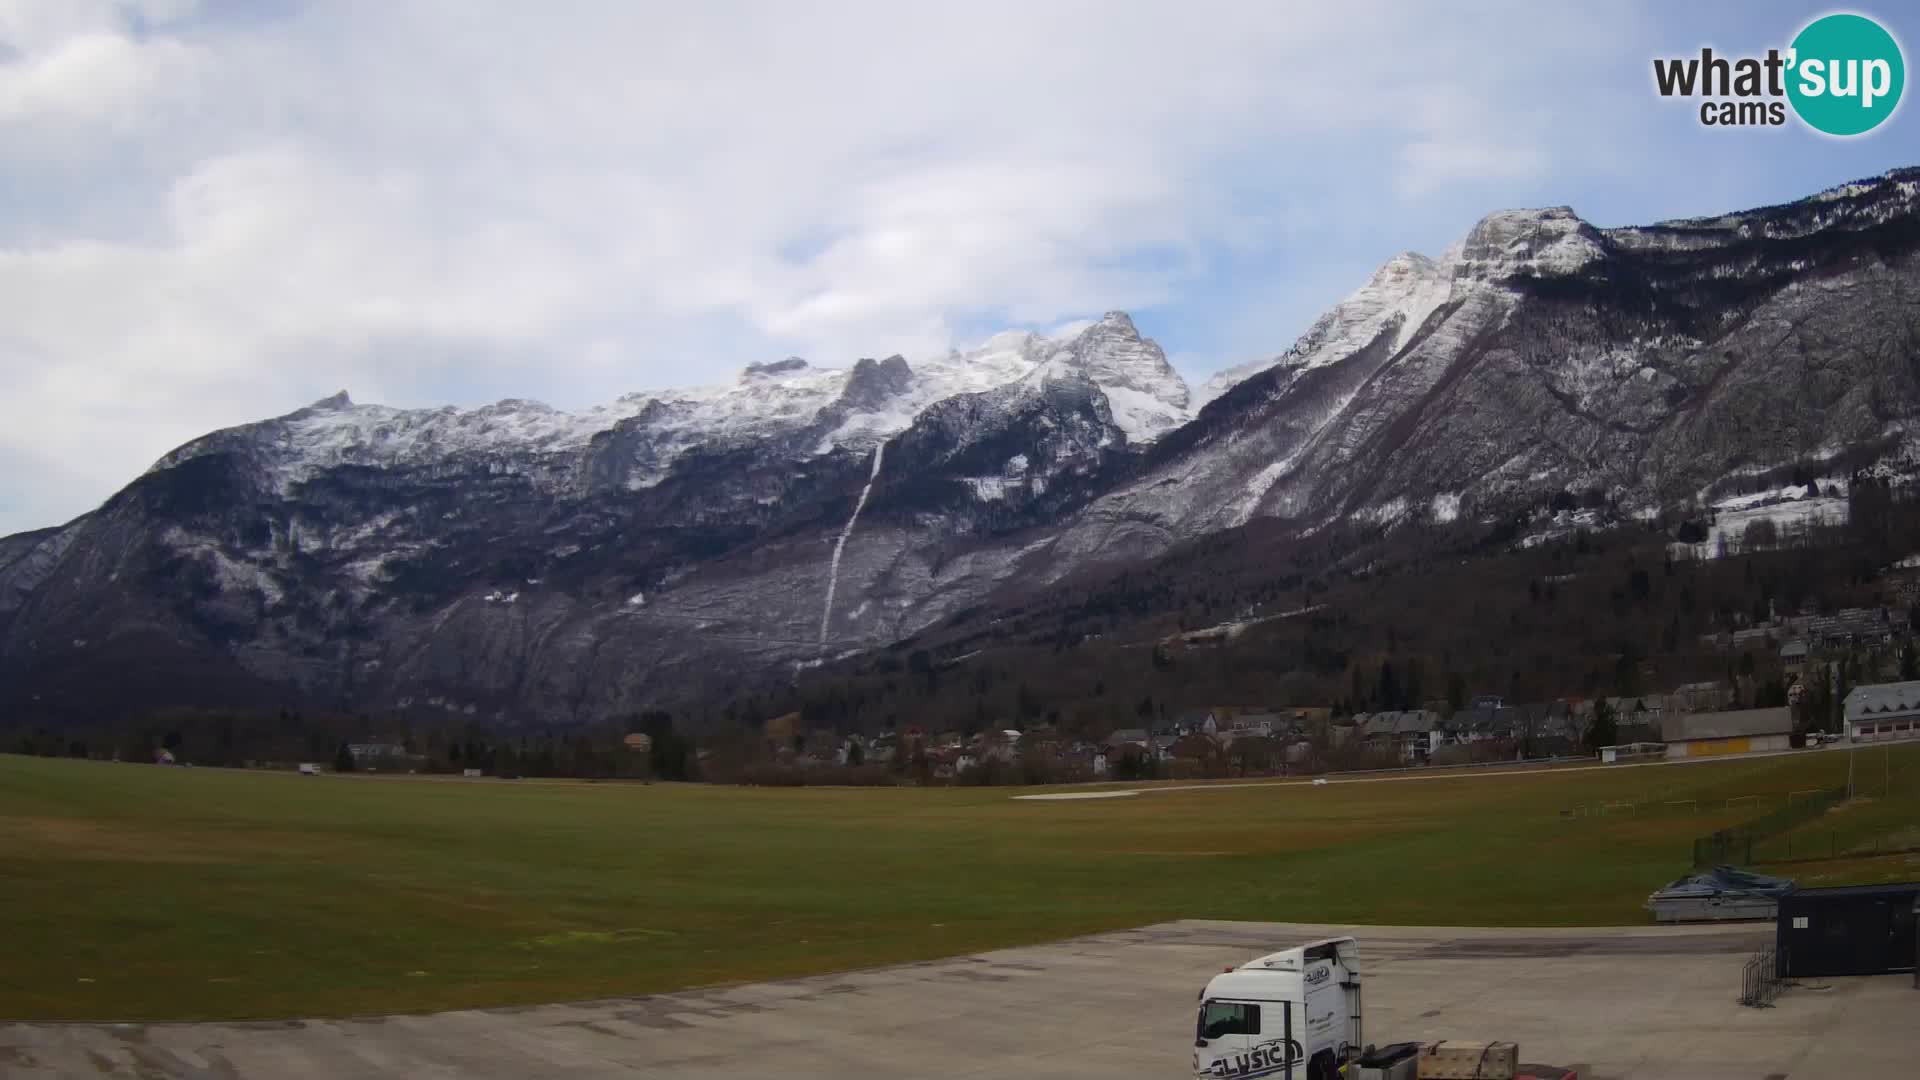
[[1846, 74]]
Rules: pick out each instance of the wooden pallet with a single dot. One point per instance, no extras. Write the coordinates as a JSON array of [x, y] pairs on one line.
[[1451, 1060]]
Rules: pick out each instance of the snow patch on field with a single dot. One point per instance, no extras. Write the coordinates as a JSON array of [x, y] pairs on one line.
[[1385, 513], [1790, 509], [1822, 511], [1790, 493], [987, 488]]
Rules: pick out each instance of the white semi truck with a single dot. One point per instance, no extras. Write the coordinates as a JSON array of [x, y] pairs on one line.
[[1291, 1014]]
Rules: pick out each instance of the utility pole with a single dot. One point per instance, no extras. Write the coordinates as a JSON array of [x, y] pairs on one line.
[[1853, 748]]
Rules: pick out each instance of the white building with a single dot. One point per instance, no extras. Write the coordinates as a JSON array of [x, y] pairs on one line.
[[1883, 712]]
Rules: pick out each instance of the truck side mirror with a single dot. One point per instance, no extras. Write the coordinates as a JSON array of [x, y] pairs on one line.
[[1199, 1042]]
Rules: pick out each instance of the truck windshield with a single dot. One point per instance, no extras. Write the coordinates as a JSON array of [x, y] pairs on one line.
[[1220, 1018]]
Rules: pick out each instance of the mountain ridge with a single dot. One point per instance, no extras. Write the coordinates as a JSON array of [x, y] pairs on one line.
[[514, 561]]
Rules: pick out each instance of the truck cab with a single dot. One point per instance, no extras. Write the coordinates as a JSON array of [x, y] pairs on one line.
[[1293, 1013]]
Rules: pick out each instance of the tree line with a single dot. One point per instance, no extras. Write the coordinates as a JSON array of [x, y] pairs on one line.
[[1355, 619]]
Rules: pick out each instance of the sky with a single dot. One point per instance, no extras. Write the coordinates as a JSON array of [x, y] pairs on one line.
[[218, 211]]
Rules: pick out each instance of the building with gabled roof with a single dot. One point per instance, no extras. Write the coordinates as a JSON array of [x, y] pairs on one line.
[[1882, 712], [1738, 731]]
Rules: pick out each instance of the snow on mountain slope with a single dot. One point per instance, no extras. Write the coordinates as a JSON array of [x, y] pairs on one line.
[[1147, 396], [337, 431], [851, 408], [1522, 359], [1399, 296], [1273, 437], [765, 398], [1005, 358], [1409, 287], [1537, 243]]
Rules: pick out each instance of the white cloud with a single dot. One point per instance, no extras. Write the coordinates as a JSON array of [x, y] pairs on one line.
[[219, 219], [86, 77]]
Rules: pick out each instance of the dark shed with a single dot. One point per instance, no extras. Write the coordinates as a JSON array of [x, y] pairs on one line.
[[1858, 930]]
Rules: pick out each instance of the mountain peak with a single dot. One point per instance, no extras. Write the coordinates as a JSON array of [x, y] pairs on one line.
[[1396, 300], [1148, 397], [334, 403], [872, 382], [1540, 242], [1406, 266]]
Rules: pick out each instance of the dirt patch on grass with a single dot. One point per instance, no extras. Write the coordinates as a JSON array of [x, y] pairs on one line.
[[66, 838], [594, 937], [88, 840], [1254, 840]]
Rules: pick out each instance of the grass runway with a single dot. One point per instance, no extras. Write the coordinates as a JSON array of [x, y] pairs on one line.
[[132, 892]]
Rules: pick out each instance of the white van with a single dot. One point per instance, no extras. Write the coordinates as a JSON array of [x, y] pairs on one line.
[[1294, 1013]]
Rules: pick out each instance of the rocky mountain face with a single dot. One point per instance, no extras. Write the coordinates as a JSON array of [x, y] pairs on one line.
[[517, 563], [1542, 354]]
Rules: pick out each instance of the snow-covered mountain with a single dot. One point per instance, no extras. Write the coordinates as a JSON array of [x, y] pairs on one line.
[[515, 553], [1543, 354], [515, 562], [850, 408], [1146, 396]]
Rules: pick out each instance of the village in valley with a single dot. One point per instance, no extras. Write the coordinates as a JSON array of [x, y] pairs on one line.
[[1802, 695]]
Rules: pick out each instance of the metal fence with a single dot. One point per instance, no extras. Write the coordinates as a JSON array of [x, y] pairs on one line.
[[1760, 979], [1734, 846], [1821, 844]]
